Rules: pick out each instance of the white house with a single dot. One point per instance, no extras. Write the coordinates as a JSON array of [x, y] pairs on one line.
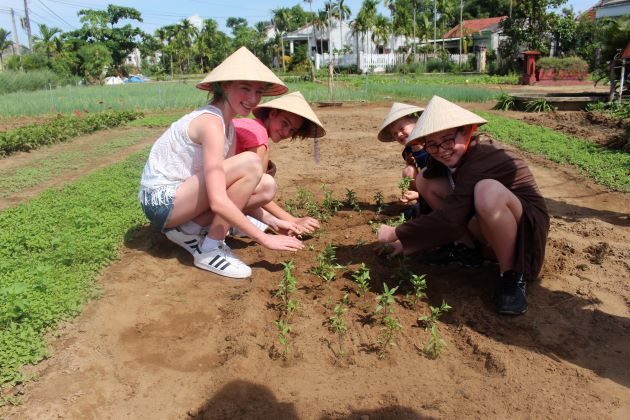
[[612, 8]]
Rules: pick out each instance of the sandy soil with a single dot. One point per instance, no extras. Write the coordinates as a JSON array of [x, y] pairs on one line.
[[167, 340]]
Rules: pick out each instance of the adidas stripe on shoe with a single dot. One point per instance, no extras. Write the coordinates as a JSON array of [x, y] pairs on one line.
[[221, 261], [187, 241]]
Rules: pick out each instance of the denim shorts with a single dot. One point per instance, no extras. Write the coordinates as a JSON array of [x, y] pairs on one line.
[[157, 211]]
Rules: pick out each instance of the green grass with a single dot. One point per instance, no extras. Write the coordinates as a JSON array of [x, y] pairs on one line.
[[607, 167], [183, 95], [53, 247], [41, 170]]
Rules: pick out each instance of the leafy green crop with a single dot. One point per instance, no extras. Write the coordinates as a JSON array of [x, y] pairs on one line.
[[53, 247], [62, 128], [608, 167]]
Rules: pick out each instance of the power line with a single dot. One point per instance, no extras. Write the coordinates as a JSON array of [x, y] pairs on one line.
[[55, 14]]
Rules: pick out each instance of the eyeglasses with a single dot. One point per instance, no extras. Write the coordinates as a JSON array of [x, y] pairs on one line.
[[445, 145]]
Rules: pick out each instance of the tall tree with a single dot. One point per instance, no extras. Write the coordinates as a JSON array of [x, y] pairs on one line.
[[100, 26], [381, 31], [528, 27], [342, 12], [5, 43], [46, 41]]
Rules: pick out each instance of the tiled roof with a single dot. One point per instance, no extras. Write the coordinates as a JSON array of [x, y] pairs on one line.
[[473, 26]]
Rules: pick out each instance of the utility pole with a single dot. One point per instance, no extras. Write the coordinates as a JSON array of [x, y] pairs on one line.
[[28, 27], [434, 26], [461, 31], [16, 40], [414, 32]]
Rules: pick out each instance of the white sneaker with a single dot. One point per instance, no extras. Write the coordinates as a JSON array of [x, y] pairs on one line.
[[187, 241], [234, 231], [221, 261]]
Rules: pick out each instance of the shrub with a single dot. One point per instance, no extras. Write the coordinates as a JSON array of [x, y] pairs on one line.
[[18, 81], [574, 64]]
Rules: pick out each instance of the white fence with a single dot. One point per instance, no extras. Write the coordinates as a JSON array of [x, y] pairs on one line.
[[377, 62]]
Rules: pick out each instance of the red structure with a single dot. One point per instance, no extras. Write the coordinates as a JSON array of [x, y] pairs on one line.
[[529, 67]]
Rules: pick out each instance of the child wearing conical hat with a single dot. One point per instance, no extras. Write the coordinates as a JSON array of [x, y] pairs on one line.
[[488, 193], [193, 179], [288, 116], [397, 125]]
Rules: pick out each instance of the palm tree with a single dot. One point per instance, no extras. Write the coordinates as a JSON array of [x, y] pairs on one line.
[[367, 14], [47, 40], [321, 24], [187, 33], [342, 12], [391, 5], [280, 20], [4, 44], [381, 30]]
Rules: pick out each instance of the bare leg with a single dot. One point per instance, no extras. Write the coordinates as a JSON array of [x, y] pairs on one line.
[[498, 212], [243, 173], [410, 171], [433, 190]]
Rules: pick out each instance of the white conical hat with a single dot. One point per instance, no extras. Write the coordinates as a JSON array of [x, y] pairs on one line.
[[440, 115], [397, 111], [295, 103], [243, 65]]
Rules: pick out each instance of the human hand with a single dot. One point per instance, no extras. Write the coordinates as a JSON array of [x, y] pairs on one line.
[[287, 228], [308, 224], [409, 195], [386, 234], [395, 248], [281, 243]]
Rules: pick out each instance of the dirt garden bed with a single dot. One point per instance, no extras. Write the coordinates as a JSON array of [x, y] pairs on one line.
[[167, 340]]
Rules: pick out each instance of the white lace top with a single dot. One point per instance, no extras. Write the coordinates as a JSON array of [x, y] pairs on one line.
[[174, 158]]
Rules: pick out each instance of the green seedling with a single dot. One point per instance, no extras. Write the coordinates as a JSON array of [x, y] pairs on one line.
[[379, 201], [287, 286], [390, 329], [303, 198], [352, 201], [404, 184], [330, 205], [401, 269], [374, 225], [419, 284], [435, 344], [396, 222], [337, 324], [362, 278], [385, 300], [326, 264], [284, 329]]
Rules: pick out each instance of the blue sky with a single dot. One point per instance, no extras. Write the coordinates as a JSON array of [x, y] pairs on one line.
[[63, 13]]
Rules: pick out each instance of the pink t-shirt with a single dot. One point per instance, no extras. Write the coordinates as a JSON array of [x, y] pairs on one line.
[[250, 133]]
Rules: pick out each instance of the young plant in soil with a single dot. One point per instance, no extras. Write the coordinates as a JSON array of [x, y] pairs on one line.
[[284, 329], [390, 325], [419, 284], [362, 278], [379, 200], [396, 222], [326, 264], [404, 184], [436, 344], [337, 324], [287, 286], [330, 205], [352, 201]]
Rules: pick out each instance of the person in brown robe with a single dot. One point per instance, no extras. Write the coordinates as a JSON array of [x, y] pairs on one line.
[[488, 193]]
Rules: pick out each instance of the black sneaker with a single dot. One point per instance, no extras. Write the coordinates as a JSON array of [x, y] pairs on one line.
[[453, 253], [511, 298]]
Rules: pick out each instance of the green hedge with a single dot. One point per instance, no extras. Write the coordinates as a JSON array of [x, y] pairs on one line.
[[62, 128]]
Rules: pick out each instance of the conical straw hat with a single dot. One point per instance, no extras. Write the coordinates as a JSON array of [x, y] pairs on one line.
[[295, 103], [243, 65], [440, 115], [397, 111]]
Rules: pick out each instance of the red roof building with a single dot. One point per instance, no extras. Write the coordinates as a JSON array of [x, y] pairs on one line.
[[474, 26]]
